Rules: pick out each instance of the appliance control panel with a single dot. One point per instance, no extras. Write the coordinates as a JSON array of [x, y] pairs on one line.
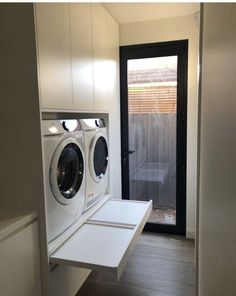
[[93, 123], [71, 125], [100, 122]]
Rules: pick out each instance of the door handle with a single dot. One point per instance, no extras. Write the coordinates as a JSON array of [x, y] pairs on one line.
[[130, 151], [127, 151]]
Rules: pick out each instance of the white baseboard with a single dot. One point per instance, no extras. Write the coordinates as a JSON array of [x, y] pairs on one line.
[[190, 233]]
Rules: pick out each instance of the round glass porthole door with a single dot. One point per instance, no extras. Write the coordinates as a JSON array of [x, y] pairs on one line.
[[67, 171], [99, 157]]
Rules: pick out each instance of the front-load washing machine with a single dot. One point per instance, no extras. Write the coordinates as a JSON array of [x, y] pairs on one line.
[[96, 154], [64, 174]]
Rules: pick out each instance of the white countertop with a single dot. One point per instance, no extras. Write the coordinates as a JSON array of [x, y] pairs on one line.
[[11, 221]]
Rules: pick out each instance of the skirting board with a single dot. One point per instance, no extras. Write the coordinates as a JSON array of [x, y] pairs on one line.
[[190, 233]]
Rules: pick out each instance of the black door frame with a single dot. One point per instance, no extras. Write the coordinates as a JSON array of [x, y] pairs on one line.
[[170, 48]]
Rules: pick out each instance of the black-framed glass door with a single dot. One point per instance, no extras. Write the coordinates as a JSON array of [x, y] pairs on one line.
[[153, 130]]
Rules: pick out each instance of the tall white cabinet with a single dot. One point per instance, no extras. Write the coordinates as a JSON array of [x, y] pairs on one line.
[[78, 56]]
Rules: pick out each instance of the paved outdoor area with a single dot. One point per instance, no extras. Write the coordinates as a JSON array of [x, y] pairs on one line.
[[163, 216]]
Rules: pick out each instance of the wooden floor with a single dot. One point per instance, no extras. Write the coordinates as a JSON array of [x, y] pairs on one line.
[[159, 266]]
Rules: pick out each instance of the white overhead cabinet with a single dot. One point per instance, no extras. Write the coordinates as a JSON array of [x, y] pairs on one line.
[[54, 55], [113, 59], [75, 65], [105, 57], [82, 60], [100, 56], [105, 241]]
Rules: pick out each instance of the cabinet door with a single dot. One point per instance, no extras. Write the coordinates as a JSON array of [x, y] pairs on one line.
[[100, 57], [82, 64], [20, 263], [54, 55], [113, 62]]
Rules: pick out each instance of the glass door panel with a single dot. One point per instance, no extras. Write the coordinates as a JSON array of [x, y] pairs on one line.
[[152, 108]]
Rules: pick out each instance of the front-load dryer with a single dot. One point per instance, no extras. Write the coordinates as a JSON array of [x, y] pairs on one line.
[[64, 174], [96, 154]]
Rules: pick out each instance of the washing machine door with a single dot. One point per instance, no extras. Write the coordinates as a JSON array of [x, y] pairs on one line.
[[99, 157], [67, 171]]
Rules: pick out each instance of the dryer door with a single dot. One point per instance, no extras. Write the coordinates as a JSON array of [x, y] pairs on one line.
[[67, 171], [99, 157]]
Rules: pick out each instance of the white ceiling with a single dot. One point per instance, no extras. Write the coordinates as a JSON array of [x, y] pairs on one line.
[[138, 12]]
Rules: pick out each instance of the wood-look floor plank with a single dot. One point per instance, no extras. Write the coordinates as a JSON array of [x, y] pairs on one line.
[[160, 265]]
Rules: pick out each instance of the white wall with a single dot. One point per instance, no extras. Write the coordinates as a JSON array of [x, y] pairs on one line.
[[167, 30], [217, 219], [21, 160]]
